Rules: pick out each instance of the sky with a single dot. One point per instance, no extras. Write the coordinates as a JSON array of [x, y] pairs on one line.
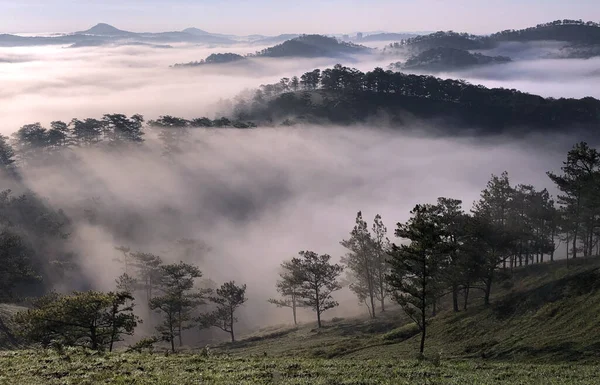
[[289, 16]]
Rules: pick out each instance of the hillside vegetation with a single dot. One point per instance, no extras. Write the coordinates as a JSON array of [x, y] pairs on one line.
[[541, 321], [343, 95], [441, 58], [543, 313]]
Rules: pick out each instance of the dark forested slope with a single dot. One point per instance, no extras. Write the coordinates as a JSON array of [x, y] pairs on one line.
[[344, 95]]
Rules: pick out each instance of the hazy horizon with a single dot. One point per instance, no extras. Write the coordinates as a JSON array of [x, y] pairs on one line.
[[272, 18]]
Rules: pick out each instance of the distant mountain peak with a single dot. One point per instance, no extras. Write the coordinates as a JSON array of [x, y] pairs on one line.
[[196, 31], [104, 29]]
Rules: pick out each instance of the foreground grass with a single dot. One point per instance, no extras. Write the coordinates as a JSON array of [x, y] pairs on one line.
[[77, 367]]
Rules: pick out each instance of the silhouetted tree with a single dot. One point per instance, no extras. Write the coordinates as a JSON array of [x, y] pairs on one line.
[[319, 281], [228, 298], [177, 300]]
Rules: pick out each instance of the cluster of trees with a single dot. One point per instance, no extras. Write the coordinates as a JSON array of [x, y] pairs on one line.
[[443, 58], [574, 31], [32, 141], [347, 95], [447, 252], [311, 46], [98, 320], [560, 30], [307, 46], [449, 39], [32, 245], [215, 58], [308, 281]]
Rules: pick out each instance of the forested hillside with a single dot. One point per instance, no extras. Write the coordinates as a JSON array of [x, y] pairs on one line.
[[343, 95]]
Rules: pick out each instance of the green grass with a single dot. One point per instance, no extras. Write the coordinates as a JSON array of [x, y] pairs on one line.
[[6, 313], [543, 327], [76, 367]]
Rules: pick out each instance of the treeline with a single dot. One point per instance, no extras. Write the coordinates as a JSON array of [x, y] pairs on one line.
[[311, 46], [98, 320], [447, 252], [32, 141], [215, 58], [346, 95], [308, 46], [443, 58], [573, 31]]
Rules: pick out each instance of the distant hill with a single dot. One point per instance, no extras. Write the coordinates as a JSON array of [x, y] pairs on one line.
[[196, 31], [450, 39], [572, 31], [347, 96], [275, 39], [312, 46], [215, 58], [103, 29], [385, 37], [441, 58]]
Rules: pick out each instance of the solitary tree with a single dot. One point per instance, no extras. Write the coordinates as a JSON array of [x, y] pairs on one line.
[[319, 281], [289, 288], [381, 248], [362, 263], [416, 266], [177, 300], [228, 298]]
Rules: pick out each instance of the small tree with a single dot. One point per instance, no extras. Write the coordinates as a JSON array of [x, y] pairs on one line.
[[289, 288], [177, 301], [319, 281], [93, 319], [362, 261], [416, 266], [229, 297], [382, 249]]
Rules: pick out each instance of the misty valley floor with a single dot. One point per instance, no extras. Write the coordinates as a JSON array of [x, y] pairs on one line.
[[73, 367]]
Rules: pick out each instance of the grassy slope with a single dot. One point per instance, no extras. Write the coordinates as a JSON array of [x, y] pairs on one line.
[[6, 313], [47, 367], [543, 313]]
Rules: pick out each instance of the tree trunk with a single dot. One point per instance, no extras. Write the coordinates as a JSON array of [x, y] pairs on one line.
[[553, 246], [93, 338], [466, 294], [455, 297], [372, 304], [488, 290], [575, 243], [318, 307], [294, 310], [179, 330], [318, 316], [422, 349], [172, 331]]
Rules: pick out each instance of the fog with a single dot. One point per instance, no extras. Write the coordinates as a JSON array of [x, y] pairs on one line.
[[255, 197], [58, 83]]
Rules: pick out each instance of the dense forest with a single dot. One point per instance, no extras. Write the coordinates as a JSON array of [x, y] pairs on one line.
[[344, 95], [442, 59], [582, 37]]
